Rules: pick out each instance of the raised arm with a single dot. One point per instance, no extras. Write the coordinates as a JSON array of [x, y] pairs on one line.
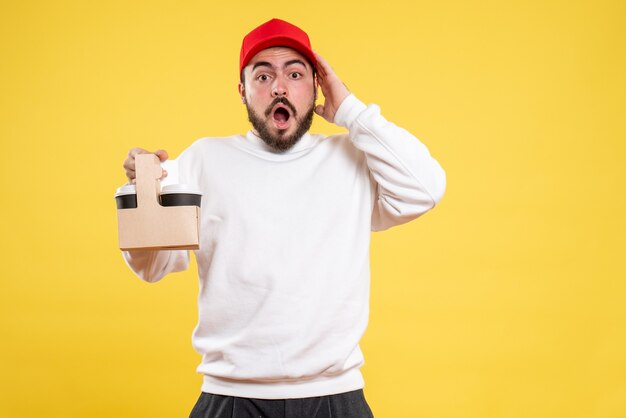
[[409, 182]]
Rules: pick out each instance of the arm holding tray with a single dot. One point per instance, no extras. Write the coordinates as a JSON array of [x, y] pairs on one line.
[[155, 238]]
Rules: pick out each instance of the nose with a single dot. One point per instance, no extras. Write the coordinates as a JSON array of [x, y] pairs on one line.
[[279, 90]]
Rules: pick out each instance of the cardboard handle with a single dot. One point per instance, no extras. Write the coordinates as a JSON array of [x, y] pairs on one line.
[[147, 171]]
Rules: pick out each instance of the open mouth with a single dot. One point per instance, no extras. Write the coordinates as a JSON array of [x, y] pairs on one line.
[[281, 117]]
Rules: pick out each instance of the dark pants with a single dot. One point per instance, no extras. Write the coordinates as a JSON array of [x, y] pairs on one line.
[[342, 405]]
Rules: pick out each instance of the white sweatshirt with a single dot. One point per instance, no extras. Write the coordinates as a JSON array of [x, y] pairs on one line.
[[284, 250]]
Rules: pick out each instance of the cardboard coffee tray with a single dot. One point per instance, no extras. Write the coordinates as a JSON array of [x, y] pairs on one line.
[[151, 226]]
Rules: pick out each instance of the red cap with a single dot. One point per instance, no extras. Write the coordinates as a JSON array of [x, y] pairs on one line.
[[275, 32]]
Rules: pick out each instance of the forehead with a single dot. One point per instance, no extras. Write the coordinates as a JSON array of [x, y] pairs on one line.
[[277, 56]]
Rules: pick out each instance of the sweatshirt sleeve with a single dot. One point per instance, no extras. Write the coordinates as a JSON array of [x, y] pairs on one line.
[[408, 181], [152, 265]]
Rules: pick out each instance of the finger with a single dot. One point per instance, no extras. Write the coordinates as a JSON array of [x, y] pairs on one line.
[[130, 174], [129, 167], [325, 68], [322, 65], [326, 90], [319, 109], [321, 81], [320, 59], [129, 162], [162, 154], [134, 151]]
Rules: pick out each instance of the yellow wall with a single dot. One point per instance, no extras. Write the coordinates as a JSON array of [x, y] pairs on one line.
[[508, 300]]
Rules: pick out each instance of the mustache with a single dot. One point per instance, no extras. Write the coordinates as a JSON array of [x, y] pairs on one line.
[[282, 100]]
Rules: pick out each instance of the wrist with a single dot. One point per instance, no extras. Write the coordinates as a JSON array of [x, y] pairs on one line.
[[348, 110]]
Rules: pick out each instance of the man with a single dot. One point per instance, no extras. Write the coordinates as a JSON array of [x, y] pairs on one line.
[[285, 225]]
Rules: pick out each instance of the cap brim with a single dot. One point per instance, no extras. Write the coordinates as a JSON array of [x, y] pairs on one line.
[[278, 41]]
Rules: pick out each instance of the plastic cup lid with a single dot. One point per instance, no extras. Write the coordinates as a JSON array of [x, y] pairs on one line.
[[126, 189], [180, 188]]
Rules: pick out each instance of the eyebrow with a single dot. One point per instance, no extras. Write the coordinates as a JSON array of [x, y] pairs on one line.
[[261, 64], [287, 64]]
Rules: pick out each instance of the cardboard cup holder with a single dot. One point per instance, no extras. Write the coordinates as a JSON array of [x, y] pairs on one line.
[[146, 223]]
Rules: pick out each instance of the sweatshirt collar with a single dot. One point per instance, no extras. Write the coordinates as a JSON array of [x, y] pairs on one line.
[[254, 143]]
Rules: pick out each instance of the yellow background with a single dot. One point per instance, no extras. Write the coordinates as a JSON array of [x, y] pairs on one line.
[[508, 300]]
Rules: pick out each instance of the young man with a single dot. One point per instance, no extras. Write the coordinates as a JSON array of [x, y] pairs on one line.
[[285, 226]]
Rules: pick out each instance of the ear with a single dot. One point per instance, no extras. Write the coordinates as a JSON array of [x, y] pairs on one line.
[[242, 92]]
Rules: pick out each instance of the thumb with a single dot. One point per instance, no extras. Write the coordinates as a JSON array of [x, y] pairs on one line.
[[162, 154], [319, 109]]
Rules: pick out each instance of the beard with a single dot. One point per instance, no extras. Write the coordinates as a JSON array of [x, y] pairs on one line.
[[281, 142]]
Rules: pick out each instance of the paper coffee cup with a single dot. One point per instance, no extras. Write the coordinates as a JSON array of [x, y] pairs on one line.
[[180, 195], [126, 197]]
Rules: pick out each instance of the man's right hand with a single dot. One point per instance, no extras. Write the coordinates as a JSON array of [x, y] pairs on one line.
[[129, 162]]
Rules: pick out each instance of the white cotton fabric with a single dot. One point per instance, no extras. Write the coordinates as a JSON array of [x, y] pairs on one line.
[[284, 250]]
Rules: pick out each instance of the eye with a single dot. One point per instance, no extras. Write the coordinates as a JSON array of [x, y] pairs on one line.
[[295, 75], [263, 77]]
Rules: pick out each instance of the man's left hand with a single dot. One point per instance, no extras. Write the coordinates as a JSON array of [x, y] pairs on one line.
[[333, 89]]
